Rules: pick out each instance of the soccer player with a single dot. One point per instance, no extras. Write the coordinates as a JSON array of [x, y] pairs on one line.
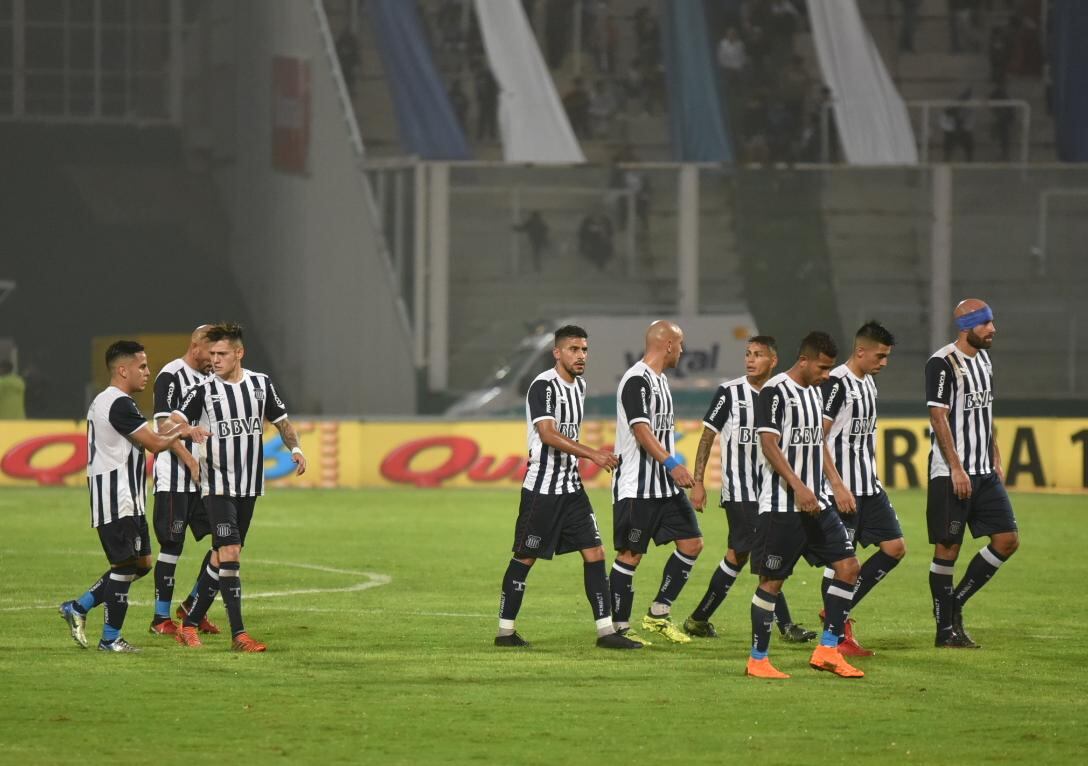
[[116, 478], [648, 499], [233, 404], [966, 480], [850, 444], [796, 516], [732, 418], [555, 516], [177, 496]]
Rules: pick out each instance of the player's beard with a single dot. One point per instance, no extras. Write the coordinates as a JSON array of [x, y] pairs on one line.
[[977, 341]]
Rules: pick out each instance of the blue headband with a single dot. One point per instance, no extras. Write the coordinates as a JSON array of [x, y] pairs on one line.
[[975, 318]]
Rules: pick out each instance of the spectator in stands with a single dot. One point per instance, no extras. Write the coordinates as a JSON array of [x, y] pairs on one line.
[[823, 115], [603, 103], [595, 239], [459, 102], [647, 37], [782, 24], [347, 51], [537, 231], [1003, 117], [781, 132], [756, 41], [1000, 53], [1027, 47], [907, 24], [958, 129], [12, 393], [733, 60], [605, 38], [576, 104], [793, 88], [633, 85], [448, 21], [487, 105]]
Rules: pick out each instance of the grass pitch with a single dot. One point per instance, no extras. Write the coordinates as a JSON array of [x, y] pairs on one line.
[[379, 610]]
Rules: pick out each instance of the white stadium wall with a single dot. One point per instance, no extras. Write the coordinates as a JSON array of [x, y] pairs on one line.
[[305, 246]]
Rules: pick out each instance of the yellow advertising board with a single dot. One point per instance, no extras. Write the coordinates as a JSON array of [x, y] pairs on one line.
[[1038, 453]]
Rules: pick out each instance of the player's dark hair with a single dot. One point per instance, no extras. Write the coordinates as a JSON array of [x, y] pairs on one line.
[[765, 340], [816, 343], [876, 332], [121, 349], [569, 331], [225, 331]]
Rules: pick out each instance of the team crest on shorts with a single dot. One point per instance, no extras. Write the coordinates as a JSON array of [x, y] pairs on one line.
[[532, 541], [634, 535], [139, 543], [773, 562], [222, 530], [954, 528], [177, 526]]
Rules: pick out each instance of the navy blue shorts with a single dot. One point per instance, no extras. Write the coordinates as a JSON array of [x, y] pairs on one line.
[[988, 511], [743, 524], [635, 521], [554, 524], [875, 521], [784, 537]]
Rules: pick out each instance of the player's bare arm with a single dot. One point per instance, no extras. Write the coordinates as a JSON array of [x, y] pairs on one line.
[[290, 440], [646, 439], [184, 455], [698, 491], [844, 498], [938, 422], [805, 497], [550, 436], [162, 441], [998, 468]]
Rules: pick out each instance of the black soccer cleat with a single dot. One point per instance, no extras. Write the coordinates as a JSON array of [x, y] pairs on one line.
[[616, 641], [955, 640], [959, 630], [794, 633], [511, 640], [700, 628]]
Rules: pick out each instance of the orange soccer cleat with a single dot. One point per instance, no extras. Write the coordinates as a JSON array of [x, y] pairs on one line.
[[187, 636], [243, 642], [828, 658], [763, 669], [206, 625], [163, 628]]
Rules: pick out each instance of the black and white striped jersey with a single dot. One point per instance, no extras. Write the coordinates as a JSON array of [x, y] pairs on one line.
[[850, 405], [964, 386], [551, 471], [732, 415], [116, 469], [792, 413], [232, 460], [643, 397], [172, 385]]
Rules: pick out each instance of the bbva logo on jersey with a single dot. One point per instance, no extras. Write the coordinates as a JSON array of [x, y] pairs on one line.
[[746, 435], [977, 399], [238, 427], [808, 435], [569, 430], [862, 426]]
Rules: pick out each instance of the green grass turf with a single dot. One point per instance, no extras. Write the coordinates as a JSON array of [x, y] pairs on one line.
[[405, 672]]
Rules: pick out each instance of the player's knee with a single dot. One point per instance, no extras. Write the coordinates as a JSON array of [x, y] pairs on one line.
[[143, 566], [214, 560], [691, 547], [738, 558], [526, 562], [847, 569], [897, 549], [629, 558], [592, 555], [1006, 545], [229, 552]]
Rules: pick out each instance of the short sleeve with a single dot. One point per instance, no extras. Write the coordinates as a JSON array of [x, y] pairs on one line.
[[193, 405], [635, 398], [541, 399], [167, 394], [719, 410], [769, 409], [125, 416], [938, 383], [834, 393], [274, 408]]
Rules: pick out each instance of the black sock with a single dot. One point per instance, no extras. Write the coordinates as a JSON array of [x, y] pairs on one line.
[[940, 587], [872, 572], [621, 583], [837, 602], [763, 603], [673, 579], [165, 566], [207, 585], [782, 613], [725, 574], [596, 582], [513, 591], [115, 601], [230, 586], [982, 567]]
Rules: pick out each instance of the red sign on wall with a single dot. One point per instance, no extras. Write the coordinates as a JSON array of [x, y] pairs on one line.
[[290, 114]]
